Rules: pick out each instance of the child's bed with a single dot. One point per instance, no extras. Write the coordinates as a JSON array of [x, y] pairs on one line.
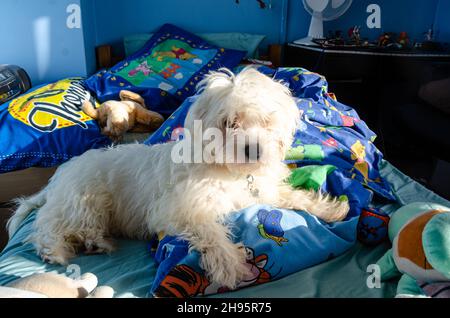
[[329, 135], [131, 269]]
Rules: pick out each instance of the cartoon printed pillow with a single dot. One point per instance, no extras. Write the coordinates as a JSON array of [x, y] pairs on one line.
[[165, 71], [46, 126], [271, 236]]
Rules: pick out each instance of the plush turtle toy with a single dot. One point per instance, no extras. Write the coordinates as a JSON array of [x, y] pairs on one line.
[[420, 253]]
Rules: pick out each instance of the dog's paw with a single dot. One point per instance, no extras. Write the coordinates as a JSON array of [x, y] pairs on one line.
[[54, 256], [226, 266], [99, 246], [53, 250]]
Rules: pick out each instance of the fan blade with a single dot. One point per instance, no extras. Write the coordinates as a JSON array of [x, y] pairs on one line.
[[317, 5], [337, 3]]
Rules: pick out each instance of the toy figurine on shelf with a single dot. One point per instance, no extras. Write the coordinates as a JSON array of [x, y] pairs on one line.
[[334, 39], [429, 35], [403, 40], [338, 37], [333, 35], [355, 35], [385, 39], [430, 44]]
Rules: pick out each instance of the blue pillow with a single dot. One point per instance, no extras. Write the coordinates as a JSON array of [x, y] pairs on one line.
[[165, 71], [46, 126], [278, 242], [233, 40]]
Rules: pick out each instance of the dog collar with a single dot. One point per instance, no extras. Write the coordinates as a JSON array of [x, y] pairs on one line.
[[251, 186]]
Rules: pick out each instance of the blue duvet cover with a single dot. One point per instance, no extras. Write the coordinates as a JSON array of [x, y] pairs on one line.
[[331, 140]]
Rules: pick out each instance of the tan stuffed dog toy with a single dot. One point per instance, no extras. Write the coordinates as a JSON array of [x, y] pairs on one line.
[[129, 114], [52, 285]]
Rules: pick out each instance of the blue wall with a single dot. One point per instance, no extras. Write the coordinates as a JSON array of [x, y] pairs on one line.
[[442, 21], [298, 21], [89, 31], [34, 35], [141, 16], [413, 16], [136, 16]]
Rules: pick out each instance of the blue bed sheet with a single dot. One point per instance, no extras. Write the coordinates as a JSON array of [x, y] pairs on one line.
[[131, 270]]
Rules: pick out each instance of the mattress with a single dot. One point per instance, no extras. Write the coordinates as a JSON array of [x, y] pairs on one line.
[[130, 270], [28, 181]]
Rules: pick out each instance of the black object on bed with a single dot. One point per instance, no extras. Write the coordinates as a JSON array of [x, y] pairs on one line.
[[13, 82]]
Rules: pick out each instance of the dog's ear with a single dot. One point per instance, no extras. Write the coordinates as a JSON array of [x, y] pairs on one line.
[[196, 112], [131, 96]]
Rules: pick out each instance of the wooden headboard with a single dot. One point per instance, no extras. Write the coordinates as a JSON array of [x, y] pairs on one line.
[[107, 58]]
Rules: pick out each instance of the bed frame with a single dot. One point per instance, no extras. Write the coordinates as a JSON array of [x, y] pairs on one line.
[[106, 57], [17, 184]]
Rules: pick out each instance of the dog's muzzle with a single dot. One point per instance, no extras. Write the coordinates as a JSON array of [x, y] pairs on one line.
[[252, 152]]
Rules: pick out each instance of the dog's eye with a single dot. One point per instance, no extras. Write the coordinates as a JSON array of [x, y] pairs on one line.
[[232, 124]]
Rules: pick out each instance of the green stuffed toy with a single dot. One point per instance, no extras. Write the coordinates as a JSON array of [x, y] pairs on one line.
[[420, 253]]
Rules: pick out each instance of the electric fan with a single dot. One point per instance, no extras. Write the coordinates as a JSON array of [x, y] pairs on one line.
[[322, 10]]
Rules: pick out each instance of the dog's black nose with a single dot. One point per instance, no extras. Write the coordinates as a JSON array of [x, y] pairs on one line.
[[252, 152]]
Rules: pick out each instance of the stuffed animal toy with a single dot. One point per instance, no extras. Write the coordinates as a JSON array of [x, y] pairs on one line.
[[420, 253], [50, 285], [129, 114]]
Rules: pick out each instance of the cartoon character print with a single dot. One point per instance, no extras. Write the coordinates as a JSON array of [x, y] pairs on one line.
[[177, 134], [270, 225], [332, 96], [170, 71], [183, 281], [359, 154], [257, 273], [331, 142], [347, 121], [143, 67], [174, 53], [170, 60], [310, 151]]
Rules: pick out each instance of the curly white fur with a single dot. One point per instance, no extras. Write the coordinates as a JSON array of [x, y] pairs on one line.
[[136, 191]]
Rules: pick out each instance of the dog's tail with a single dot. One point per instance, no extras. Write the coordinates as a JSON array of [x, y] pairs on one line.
[[24, 207], [89, 109]]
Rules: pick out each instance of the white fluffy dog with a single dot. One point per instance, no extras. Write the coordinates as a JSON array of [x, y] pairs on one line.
[[136, 191]]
